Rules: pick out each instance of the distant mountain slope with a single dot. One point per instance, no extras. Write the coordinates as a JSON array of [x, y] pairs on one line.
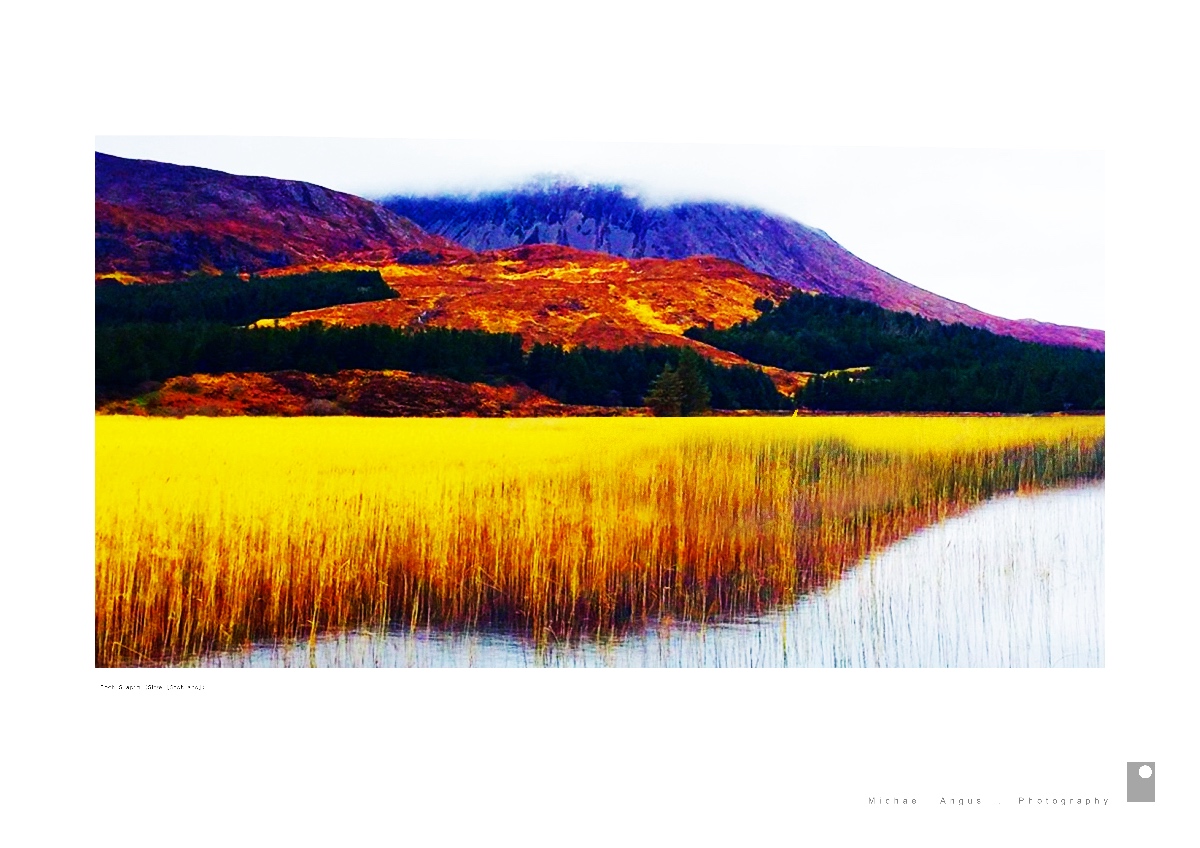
[[156, 221], [605, 219], [563, 296]]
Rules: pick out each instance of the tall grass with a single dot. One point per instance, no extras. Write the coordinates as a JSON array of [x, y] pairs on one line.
[[211, 533], [1017, 582]]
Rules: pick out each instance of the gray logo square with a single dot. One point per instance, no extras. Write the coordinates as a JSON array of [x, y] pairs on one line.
[[1139, 781]]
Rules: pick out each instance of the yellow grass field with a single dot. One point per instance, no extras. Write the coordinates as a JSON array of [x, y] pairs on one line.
[[211, 533]]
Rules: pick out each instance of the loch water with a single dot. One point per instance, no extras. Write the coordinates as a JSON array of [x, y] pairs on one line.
[[1016, 582]]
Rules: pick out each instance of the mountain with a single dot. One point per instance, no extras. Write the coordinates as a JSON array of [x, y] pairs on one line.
[[606, 219], [156, 221], [563, 296]]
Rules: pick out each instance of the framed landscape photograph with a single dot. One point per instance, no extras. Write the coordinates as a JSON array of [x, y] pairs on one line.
[[489, 404], [579, 425]]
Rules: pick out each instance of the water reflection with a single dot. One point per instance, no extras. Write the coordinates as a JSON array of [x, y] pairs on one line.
[[1016, 582]]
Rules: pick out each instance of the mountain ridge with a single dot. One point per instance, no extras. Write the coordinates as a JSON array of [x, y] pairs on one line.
[[157, 221], [606, 219]]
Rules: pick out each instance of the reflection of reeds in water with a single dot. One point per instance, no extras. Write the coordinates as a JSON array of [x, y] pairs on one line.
[[212, 533]]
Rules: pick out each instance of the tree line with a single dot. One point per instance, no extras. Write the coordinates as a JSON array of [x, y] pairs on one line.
[[153, 332], [913, 363], [228, 299], [128, 355], [626, 377]]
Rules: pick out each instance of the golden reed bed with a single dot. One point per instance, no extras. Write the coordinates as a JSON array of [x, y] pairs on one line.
[[211, 533]]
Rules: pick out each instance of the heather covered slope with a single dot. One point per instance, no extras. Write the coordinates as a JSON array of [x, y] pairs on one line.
[[156, 221], [607, 220], [386, 394], [563, 296]]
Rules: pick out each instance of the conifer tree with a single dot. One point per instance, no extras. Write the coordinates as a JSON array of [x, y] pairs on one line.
[[694, 388], [665, 397]]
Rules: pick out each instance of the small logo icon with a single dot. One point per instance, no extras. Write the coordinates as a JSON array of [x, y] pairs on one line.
[[1139, 781]]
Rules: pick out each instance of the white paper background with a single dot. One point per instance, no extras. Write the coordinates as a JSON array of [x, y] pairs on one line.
[[568, 758]]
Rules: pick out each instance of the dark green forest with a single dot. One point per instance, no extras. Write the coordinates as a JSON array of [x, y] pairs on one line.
[[150, 333], [231, 300], [914, 364], [624, 377], [130, 354]]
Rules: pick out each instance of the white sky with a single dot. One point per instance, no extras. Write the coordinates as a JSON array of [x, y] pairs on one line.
[[1017, 233]]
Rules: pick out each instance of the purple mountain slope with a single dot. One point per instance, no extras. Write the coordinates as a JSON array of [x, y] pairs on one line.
[[606, 219], [156, 221]]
